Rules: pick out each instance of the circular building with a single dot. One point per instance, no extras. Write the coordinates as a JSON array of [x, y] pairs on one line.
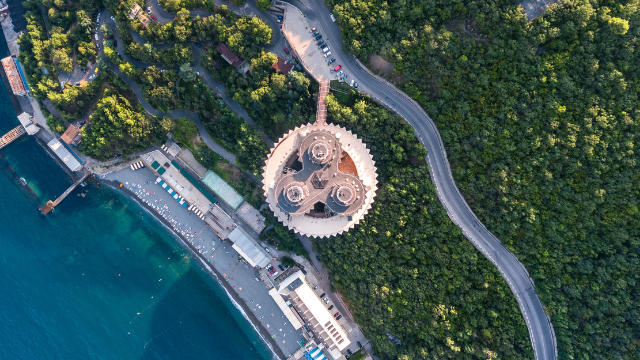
[[320, 180]]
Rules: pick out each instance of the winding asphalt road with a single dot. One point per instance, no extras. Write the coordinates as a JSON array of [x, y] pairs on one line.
[[538, 323]]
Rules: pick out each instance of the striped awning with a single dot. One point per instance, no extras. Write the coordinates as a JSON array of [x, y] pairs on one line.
[[137, 165]]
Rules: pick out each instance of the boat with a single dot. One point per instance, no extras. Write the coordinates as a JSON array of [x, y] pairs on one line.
[[23, 181]]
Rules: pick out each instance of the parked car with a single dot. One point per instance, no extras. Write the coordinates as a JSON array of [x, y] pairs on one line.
[[352, 82], [345, 77], [115, 43], [340, 73], [149, 10], [154, 18], [317, 258], [315, 287], [313, 29], [113, 18], [280, 17], [349, 352], [322, 296], [327, 54], [315, 33], [355, 86], [320, 43], [286, 50], [359, 344], [318, 37], [275, 274], [197, 44], [339, 317], [332, 61], [330, 307], [325, 47], [333, 18], [336, 314], [281, 267], [337, 68]]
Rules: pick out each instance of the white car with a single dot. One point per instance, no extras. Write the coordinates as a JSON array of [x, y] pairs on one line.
[[352, 82], [332, 17], [340, 73], [326, 49], [149, 10], [327, 54], [113, 18]]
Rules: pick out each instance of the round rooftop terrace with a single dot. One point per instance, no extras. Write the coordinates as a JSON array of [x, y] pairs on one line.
[[320, 180]]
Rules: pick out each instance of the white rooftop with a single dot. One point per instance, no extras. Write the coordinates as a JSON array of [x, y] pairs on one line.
[[64, 154], [248, 248], [29, 126]]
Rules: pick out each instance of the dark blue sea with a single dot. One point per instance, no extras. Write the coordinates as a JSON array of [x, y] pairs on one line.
[[99, 278]]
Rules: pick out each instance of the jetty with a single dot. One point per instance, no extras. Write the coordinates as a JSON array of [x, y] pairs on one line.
[[50, 205], [12, 135]]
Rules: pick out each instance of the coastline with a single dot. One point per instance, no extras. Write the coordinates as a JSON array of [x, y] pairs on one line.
[[215, 274]]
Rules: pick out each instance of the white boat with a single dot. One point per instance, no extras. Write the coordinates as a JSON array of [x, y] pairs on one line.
[[23, 181]]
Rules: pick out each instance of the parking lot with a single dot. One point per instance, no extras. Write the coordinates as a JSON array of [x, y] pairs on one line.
[[298, 33]]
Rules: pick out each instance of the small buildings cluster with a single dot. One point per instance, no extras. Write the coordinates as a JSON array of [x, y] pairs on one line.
[[186, 192]]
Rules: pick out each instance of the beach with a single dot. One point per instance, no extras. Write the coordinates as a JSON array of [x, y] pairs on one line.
[[241, 281]]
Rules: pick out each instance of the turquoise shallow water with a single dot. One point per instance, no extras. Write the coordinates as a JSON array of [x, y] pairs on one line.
[[72, 283]]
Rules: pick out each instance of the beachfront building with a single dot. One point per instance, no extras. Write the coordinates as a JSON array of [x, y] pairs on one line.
[[310, 311], [27, 123], [65, 155], [248, 248], [178, 186], [13, 74], [320, 180], [220, 222]]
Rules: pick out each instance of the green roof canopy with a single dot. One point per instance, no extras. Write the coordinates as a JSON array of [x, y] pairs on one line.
[[222, 189]]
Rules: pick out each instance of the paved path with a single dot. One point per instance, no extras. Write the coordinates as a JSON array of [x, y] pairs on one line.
[[538, 323], [174, 114]]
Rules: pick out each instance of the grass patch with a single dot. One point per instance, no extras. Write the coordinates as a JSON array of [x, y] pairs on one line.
[[343, 92], [239, 181]]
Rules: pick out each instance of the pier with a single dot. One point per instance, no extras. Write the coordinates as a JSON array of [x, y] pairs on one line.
[[12, 135], [50, 205]]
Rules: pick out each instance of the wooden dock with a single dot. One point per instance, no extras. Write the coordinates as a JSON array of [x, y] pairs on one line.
[[11, 136], [52, 204]]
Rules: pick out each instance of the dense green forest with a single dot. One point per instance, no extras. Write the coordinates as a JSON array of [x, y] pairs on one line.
[[406, 270], [116, 126], [237, 136], [276, 102], [540, 121]]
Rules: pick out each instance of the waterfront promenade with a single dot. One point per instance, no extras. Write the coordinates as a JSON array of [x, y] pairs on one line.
[[240, 277]]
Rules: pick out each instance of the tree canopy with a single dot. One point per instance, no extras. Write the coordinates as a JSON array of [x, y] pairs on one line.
[[540, 121]]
